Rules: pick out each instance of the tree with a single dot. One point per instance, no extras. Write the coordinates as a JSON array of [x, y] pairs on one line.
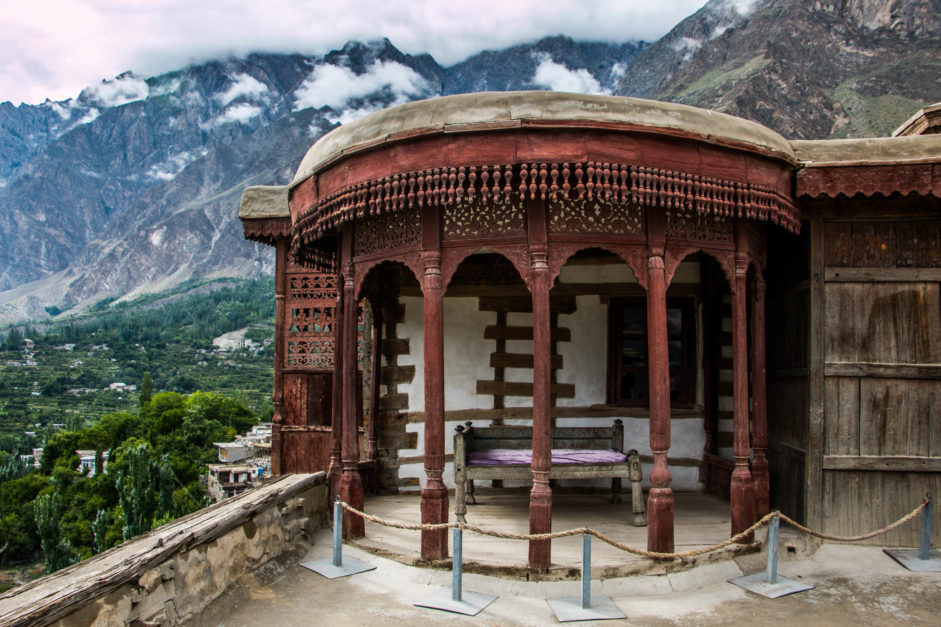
[[47, 511], [137, 491], [100, 527], [146, 389]]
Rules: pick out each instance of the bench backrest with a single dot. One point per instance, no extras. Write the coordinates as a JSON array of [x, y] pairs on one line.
[[597, 438]]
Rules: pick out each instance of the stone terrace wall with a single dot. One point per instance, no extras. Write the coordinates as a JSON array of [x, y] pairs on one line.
[[171, 573]]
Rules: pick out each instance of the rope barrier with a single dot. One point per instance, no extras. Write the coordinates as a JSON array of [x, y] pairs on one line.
[[627, 548]]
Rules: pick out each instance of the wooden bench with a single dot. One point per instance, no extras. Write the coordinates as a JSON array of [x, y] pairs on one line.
[[479, 442]]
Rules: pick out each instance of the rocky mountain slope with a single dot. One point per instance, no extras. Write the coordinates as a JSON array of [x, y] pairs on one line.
[[133, 185], [807, 69]]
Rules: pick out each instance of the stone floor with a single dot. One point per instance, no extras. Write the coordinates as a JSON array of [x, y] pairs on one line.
[[701, 520], [853, 586]]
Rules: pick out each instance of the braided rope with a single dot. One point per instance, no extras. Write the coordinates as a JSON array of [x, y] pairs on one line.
[[627, 548], [865, 536]]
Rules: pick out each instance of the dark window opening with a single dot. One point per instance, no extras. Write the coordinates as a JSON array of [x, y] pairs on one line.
[[627, 357]]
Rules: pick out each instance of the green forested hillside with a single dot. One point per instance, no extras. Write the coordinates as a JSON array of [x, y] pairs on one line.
[[60, 390]]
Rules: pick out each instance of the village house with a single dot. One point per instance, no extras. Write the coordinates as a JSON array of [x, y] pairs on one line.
[[88, 461], [760, 316]]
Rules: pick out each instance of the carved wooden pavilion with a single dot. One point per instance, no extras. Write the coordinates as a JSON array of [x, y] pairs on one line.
[[542, 258]]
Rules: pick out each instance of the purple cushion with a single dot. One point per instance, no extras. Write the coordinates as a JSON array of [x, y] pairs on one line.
[[523, 457]]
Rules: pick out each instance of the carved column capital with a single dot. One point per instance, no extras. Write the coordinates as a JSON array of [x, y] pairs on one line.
[[539, 260], [655, 262]]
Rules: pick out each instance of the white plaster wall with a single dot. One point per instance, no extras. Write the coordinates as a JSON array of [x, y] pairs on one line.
[[585, 358], [523, 347], [466, 359], [466, 353]]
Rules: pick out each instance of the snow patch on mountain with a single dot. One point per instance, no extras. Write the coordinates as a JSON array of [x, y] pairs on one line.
[[175, 164]]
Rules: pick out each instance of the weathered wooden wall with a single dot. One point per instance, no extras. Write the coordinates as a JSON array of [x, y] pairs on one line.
[[880, 371]]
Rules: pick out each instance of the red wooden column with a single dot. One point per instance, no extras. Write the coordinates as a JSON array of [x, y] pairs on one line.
[[540, 497], [336, 410], [434, 496], [660, 507], [277, 397], [759, 402], [351, 486], [742, 487]]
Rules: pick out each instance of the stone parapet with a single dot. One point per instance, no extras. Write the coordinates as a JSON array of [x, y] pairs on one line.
[[171, 573]]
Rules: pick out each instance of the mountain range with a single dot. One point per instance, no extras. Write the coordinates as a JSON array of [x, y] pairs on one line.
[[133, 186]]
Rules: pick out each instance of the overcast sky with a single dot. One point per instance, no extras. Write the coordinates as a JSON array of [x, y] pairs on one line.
[[54, 48]]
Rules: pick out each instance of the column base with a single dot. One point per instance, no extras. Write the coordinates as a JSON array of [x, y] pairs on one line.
[[742, 497], [540, 521], [660, 511], [351, 492], [434, 510]]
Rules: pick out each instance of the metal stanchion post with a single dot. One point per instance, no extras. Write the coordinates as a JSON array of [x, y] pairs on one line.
[[458, 601], [337, 534], [771, 569], [923, 559], [768, 584], [582, 607], [456, 565], [586, 571], [924, 551], [333, 568]]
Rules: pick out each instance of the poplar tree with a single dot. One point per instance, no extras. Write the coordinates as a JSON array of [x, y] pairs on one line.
[[47, 510]]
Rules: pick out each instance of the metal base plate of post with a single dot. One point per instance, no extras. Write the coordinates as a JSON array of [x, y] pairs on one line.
[[471, 603], [570, 609], [759, 584], [910, 560], [350, 566]]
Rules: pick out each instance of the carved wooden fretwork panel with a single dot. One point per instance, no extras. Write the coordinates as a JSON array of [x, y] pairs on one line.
[[310, 309], [704, 227], [595, 215], [388, 231], [308, 287], [475, 219]]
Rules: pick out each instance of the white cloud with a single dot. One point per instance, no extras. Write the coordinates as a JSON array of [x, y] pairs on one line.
[[62, 109], [241, 113], [745, 7], [333, 86], [557, 77], [52, 48], [243, 85], [617, 71], [686, 45], [90, 116], [118, 91]]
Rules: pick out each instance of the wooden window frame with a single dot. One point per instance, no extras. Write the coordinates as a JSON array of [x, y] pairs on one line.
[[687, 337]]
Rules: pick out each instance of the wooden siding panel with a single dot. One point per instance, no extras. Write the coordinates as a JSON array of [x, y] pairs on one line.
[[883, 322], [842, 416], [861, 501], [898, 416], [839, 250]]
